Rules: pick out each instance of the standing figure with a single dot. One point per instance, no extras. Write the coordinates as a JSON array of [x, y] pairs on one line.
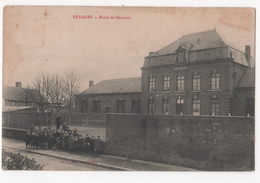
[[27, 140], [87, 143], [71, 142], [98, 145]]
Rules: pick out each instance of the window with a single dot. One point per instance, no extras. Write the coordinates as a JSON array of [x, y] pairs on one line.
[[250, 106], [151, 106], [84, 106], [120, 106], [180, 83], [196, 106], [166, 106], [215, 81], [214, 106], [14, 103], [136, 106], [196, 82], [166, 82], [151, 87], [179, 106], [96, 106], [181, 56]]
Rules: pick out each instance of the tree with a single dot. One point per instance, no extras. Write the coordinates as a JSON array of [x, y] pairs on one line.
[[41, 96], [71, 87], [56, 91]]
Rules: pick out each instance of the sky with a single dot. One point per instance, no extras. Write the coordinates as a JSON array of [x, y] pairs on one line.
[[49, 40]]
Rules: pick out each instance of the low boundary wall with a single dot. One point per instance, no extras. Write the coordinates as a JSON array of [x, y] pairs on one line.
[[200, 142]]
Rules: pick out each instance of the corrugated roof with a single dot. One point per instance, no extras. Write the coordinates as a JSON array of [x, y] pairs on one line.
[[126, 85], [13, 93], [247, 79], [201, 40]]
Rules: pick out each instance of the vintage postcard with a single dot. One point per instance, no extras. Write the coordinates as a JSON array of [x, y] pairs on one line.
[[128, 88]]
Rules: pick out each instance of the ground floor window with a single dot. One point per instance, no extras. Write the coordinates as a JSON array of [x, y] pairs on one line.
[[166, 106], [120, 106], [250, 106], [214, 106], [84, 106], [196, 107], [136, 106], [96, 106], [179, 106], [151, 106]]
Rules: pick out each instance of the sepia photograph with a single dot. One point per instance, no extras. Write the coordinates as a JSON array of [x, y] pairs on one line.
[[95, 88]]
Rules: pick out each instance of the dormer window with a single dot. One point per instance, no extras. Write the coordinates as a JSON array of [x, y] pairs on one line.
[[181, 54]]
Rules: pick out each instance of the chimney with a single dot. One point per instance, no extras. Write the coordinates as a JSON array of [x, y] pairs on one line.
[[247, 54], [91, 83], [18, 84], [150, 53]]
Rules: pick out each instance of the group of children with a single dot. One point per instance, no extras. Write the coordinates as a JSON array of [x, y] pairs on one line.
[[66, 140]]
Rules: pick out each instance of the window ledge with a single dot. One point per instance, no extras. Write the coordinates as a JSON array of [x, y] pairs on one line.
[[214, 90], [195, 91], [179, 91], [151, 92], [166, 91]]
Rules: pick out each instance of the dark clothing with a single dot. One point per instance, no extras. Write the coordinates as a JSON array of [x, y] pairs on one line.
[[87, 144], [27, 140]]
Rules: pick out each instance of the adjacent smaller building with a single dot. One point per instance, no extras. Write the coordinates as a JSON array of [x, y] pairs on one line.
[[111, 96], [14, 96]]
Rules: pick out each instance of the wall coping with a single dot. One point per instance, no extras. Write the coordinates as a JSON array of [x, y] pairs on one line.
[[180, 116]]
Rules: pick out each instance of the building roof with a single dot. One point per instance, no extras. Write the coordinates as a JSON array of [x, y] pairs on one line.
[[247, 79], [199, 41], [13, 93], [126, 85], [16, 108]]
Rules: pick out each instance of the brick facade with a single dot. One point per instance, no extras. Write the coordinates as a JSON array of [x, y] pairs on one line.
[[218, 66]]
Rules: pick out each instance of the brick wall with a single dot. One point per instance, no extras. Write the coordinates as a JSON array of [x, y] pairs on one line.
[[205, 69], [201, 142]]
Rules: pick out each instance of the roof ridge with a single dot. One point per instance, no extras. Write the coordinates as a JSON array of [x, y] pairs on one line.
[[200, 32], [119, 79]]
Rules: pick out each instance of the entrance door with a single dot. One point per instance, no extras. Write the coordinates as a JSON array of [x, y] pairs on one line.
[[179, 106], [108, 109], [136, 106]]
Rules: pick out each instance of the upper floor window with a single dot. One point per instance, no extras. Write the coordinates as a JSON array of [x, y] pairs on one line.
[[151, 87], [215, 78], [166, 82], [96, 106], [196, 82], [120, 106], [180, 83]]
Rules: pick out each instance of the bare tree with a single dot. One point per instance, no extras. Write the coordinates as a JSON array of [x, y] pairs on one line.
[[28, 96], [71, 87], [41, 92], [56, 91]]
